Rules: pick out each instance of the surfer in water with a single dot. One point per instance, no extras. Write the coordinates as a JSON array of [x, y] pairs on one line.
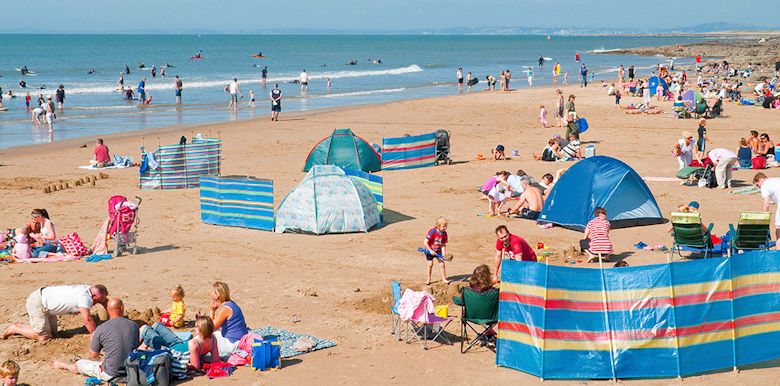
[[198, 55], [141, 65], [264, 76], [127, 69], [121, 82], [22, 83], [24, 70], [259, 54], [541, 61], [91, 71]]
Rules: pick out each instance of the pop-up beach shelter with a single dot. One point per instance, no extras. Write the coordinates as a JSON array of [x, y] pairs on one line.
[[600, 182], [327, 201], [653, 83], [344, 149]]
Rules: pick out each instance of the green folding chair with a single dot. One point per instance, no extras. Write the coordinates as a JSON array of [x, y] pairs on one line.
[[688, 234], [479, 314], [752, 232]]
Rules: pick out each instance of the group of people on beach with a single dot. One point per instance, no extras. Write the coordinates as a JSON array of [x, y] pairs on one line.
[[216, 336]]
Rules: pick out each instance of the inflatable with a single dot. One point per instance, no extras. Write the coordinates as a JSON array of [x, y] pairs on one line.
[[473, 81], [582, 125]]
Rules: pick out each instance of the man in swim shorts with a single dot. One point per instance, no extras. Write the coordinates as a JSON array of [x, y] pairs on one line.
[[529, 204], [276, 103], [178, 86], [304, 78], [234, 91], [459, 75]]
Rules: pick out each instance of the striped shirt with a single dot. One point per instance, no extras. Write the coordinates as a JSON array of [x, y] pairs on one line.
[[571, 149], [599, 236]]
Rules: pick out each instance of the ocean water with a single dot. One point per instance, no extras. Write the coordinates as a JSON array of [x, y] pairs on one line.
[[412, 67]]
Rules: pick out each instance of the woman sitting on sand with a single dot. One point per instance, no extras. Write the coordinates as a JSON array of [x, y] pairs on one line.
[[229, 322], [765, 145], [43, 233]]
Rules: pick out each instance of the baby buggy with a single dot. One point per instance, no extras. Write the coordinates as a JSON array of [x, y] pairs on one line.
[[123, 223], [442, 147]]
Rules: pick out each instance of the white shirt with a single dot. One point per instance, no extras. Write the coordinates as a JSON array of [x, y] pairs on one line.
[[66, 299], [304, 77], [514, 182], [686, 149], [233, 87], [720, 154], [460, 74], [771, 188]]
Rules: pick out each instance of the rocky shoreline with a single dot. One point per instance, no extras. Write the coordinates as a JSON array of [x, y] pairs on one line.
[[760, 53]]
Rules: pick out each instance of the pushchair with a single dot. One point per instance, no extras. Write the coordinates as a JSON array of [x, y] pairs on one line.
[[123, 223], [442, 147]]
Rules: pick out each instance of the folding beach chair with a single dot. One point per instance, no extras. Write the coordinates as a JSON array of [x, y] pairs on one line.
[[395, 318], [688, 234], [479, 312], [753, 232], [422, 324]]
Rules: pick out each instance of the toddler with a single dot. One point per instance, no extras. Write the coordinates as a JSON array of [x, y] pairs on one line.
[[543, 116], [498, 153], [435, 243], [9, 371], [251, 98], [175, 316], [617, 98], [22, 249]]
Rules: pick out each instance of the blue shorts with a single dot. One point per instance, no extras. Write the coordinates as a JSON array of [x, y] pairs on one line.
[[178, 93]]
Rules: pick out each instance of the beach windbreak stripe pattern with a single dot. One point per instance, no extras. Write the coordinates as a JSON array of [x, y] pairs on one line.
[[664, 320], [180, 166], [409, 152], [237, 201], [374, 183]]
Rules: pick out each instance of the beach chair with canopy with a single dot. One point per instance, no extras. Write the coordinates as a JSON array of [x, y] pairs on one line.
[[752, 232], [689, 236], [479, 313], [395, 318]]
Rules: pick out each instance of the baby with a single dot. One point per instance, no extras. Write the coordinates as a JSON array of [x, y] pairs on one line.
[[22, 249], [175, 316]]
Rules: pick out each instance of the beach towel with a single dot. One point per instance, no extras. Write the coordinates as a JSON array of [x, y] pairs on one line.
[[746, 190], [660, 179], [94, 258], [112, 166], [288, 340], [688, 171], [241, 355], [99, 246], [51, 257]]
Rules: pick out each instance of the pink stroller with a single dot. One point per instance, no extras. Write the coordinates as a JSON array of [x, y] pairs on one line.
[[123, 223]]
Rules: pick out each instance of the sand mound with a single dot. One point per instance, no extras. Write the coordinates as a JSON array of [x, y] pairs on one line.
[[146, 317]]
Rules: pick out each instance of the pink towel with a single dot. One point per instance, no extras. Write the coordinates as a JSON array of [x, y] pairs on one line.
[[99, 247], [418, 306], [244, 344]]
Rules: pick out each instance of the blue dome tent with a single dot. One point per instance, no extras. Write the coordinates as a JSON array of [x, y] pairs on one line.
[[605, 182], [653, 82]]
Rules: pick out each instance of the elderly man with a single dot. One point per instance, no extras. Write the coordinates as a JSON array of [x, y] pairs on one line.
[[724, 160], [46, 303], [512, 247], [116, 338]]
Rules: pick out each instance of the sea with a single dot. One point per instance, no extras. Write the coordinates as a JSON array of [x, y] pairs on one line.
[[387, 68]]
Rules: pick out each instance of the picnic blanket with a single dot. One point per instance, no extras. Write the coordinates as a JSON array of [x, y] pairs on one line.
[[687, 171], [660, 179], [289, 338], [52, 257]]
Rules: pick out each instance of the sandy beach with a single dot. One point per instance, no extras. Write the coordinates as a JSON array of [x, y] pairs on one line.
[[337, 286]]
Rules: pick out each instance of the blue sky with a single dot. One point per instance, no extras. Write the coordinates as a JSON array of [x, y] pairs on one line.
[[231, 15]]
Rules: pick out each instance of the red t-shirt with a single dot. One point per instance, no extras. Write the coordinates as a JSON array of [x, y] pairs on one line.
[[517, 247], [101, 153], [436, 239]]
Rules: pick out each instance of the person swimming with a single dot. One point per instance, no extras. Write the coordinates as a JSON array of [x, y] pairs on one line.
[[22, 83], [91, 71], [127, 69], [141, 65]]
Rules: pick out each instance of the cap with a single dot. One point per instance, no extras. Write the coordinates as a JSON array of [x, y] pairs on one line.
[[694, 204]]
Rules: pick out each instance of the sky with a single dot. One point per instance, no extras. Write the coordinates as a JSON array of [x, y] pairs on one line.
[[247, 15]]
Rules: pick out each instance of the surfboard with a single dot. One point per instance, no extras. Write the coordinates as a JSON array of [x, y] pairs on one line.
[[547, 58], [33, 73], [473, 81], [258, 56], [3, 108], [196, 58]]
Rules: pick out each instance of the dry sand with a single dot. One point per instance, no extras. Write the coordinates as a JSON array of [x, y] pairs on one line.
[[337, 286]]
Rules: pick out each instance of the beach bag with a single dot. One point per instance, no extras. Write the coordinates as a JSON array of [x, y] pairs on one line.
[[709, 178], [267, 354], [759, 162], [158, 370], [72, 245]]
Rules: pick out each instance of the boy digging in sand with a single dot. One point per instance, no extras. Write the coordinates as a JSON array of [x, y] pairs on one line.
[[435, 243]]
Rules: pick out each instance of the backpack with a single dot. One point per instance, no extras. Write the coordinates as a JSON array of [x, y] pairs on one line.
[[709, 178], [156, 361]]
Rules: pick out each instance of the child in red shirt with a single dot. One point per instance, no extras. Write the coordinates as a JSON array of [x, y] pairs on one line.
[[435, 245]]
